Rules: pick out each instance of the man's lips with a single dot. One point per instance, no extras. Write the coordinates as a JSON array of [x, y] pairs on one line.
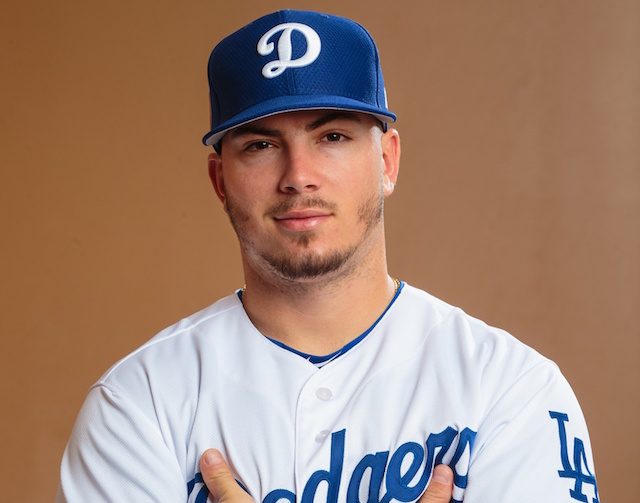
[[302, 220]]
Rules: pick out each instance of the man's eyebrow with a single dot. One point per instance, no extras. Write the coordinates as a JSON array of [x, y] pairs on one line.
[[251, 128], [330, 117]]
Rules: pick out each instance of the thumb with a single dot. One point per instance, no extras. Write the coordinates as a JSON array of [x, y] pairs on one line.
[[219, 480], [440, 488]]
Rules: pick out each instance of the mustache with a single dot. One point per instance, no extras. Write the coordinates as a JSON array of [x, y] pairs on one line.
[[300, 203]]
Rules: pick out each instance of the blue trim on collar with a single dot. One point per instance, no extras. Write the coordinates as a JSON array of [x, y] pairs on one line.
[[319, 361]]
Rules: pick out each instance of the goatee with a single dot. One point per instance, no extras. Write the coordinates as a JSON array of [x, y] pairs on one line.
[[308, 264]]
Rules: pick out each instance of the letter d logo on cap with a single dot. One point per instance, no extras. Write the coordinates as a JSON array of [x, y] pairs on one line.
[[284, 61]]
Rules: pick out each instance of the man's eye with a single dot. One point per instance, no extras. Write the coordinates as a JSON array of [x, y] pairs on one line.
[[259, 145], [334, 137]]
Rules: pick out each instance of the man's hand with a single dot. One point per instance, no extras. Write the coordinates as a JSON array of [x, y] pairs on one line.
[[440, 486], [224, 488], [220, 482]]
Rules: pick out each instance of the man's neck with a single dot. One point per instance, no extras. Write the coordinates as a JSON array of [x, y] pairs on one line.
[[318, 317]]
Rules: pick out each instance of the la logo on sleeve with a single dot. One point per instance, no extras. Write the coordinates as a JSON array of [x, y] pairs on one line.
[[579, 471]]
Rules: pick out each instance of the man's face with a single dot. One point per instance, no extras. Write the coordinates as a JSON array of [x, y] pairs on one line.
[[304, 190]]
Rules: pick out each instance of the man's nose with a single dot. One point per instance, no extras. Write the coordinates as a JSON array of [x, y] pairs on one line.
[[300, 172]]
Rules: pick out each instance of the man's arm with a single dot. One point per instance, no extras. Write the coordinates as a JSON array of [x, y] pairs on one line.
[[225, 489], [116, 453]]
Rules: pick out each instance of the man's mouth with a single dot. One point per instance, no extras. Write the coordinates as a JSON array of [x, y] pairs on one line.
[[306, 219]]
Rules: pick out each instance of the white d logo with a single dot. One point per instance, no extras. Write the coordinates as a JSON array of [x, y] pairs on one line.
[[284, 61]]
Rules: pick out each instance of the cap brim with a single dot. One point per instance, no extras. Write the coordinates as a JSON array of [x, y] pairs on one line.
[[285, 104]]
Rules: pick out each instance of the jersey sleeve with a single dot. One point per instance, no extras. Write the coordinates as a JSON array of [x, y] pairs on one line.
[[533, 445], [116, 453]]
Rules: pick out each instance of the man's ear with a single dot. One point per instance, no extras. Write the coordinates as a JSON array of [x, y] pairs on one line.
[[391, 158], [217, 180]]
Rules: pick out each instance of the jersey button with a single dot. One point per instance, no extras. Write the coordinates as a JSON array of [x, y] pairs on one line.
[[322, 435], [324, 394]]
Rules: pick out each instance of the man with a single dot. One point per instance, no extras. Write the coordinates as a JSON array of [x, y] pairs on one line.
[[323, 379]]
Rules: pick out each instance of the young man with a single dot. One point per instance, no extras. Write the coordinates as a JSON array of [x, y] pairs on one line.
[[323, 379]]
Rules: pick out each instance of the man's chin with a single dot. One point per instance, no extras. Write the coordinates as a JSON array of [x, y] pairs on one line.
[[306, 266]]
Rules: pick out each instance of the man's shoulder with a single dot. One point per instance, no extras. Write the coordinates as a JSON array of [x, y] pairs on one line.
[[180, 346], [417, 304], [453, 331]]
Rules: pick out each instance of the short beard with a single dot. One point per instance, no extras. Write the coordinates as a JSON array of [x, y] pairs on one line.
[[309, 265]]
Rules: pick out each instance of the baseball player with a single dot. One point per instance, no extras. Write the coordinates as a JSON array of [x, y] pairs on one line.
[[324, 379]]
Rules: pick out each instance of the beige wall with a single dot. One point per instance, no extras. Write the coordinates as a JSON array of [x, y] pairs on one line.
[[519, 195]]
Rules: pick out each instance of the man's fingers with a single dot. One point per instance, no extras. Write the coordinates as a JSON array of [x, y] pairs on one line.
[[440, 488], [219, 480], [225, 489]]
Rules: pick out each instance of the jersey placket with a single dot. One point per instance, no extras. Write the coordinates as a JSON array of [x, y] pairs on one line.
[[318, 416]]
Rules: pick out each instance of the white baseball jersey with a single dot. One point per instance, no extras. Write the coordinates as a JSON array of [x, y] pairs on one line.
[[426, 384]]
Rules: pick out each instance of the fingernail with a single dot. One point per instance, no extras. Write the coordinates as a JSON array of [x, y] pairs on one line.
[[212, 457], [442, 475]]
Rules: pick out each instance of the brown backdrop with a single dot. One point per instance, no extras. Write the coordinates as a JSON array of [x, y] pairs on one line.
[[519, 194]]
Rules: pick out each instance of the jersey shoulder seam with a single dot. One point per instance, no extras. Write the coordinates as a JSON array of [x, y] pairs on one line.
[[171, 332]]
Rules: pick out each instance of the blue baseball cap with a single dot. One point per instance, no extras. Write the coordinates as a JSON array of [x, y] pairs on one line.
[[294, 60]]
